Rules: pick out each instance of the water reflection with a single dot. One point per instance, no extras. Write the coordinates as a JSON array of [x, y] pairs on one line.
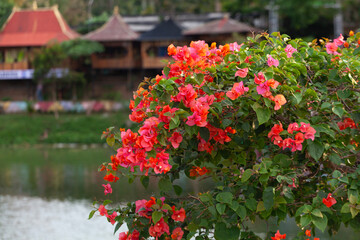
[[47, 194]]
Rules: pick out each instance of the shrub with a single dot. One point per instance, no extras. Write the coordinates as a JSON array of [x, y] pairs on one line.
[[273, 122]]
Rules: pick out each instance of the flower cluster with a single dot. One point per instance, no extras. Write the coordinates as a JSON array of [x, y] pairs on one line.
[[346, 123], [158, 227], [198, 171], [104, 212], [305, 131]]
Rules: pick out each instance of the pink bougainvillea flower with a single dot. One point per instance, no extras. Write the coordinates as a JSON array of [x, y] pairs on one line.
[[175, 139], [331, 48], [309, 132], [179, 215], [187, 94], [242, 72], [263, 89], [235, 46], [260, 78], [339, 41], [278, 236], [237, 90], [329, 201], [289, 50], [293, 127], [177, 234], [279, 101], [107, 189], [272, 62]]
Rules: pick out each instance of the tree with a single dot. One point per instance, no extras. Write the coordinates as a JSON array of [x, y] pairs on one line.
[[273, 122], [6, 7]]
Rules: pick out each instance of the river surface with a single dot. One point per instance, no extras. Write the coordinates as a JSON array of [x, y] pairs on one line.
[[47, 193]]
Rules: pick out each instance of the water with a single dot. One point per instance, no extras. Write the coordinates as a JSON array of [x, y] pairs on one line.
[[47, 194]]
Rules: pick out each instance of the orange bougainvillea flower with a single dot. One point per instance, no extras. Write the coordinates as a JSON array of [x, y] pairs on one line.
[[279, 101], [346, 44], [351, 33], [171, 50]]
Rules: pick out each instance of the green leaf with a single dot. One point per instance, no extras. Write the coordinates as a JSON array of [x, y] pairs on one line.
[[226, 122], [268, 197], [251, 204], [338, 111], [354, 212], [166, 71], [263, 114], [204, 133], [335, 158], [205, 197], [345, 208], [156, 216], [224, 233], [344, 94], [316, 212], [106, 202], [145, 181], [298, 97], [315, 149], [260, 207], [241, 212], [225, 197], [246, 175], [220, 207], [91, 214], [118, 225], [320, 223], [165, 185], [178, 190], [305, 220]]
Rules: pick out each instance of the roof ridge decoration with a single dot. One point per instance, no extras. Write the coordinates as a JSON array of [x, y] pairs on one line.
[[115, 29]]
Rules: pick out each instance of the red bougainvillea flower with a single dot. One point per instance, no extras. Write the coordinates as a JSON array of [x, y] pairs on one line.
[[346, 123], [111, 178], [107, 189], [309, 132], [293, 127], [177, 234], [242, 72], [237, 90], [278, 236], [329, 201], [289, 50], [102, 210], [260, 78], [279, 101], [308, 233], [159, 228], [135, 235], [198, 171], [316, 238], [275, 131], [112, 217], [175, 139], [151, 202], [272, 62], [179, 215]]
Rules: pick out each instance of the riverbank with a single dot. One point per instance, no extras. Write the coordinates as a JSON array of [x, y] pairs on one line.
[[22, 129]]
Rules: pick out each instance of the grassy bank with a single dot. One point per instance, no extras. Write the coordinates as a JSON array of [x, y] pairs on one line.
[[69, 128]]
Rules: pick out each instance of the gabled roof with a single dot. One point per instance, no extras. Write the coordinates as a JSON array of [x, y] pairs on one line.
[[114, 30], [25, 28], [166, 30], [221, 26]]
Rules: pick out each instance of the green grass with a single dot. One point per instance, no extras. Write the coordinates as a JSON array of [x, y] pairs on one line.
[[69, 128]]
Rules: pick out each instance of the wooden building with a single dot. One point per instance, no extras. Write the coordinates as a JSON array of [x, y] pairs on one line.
[[154, 44], [27, 30], [24, 33], [220, 30], [118, 41]]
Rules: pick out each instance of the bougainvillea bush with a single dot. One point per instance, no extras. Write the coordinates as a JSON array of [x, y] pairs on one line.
[[273, 122]]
